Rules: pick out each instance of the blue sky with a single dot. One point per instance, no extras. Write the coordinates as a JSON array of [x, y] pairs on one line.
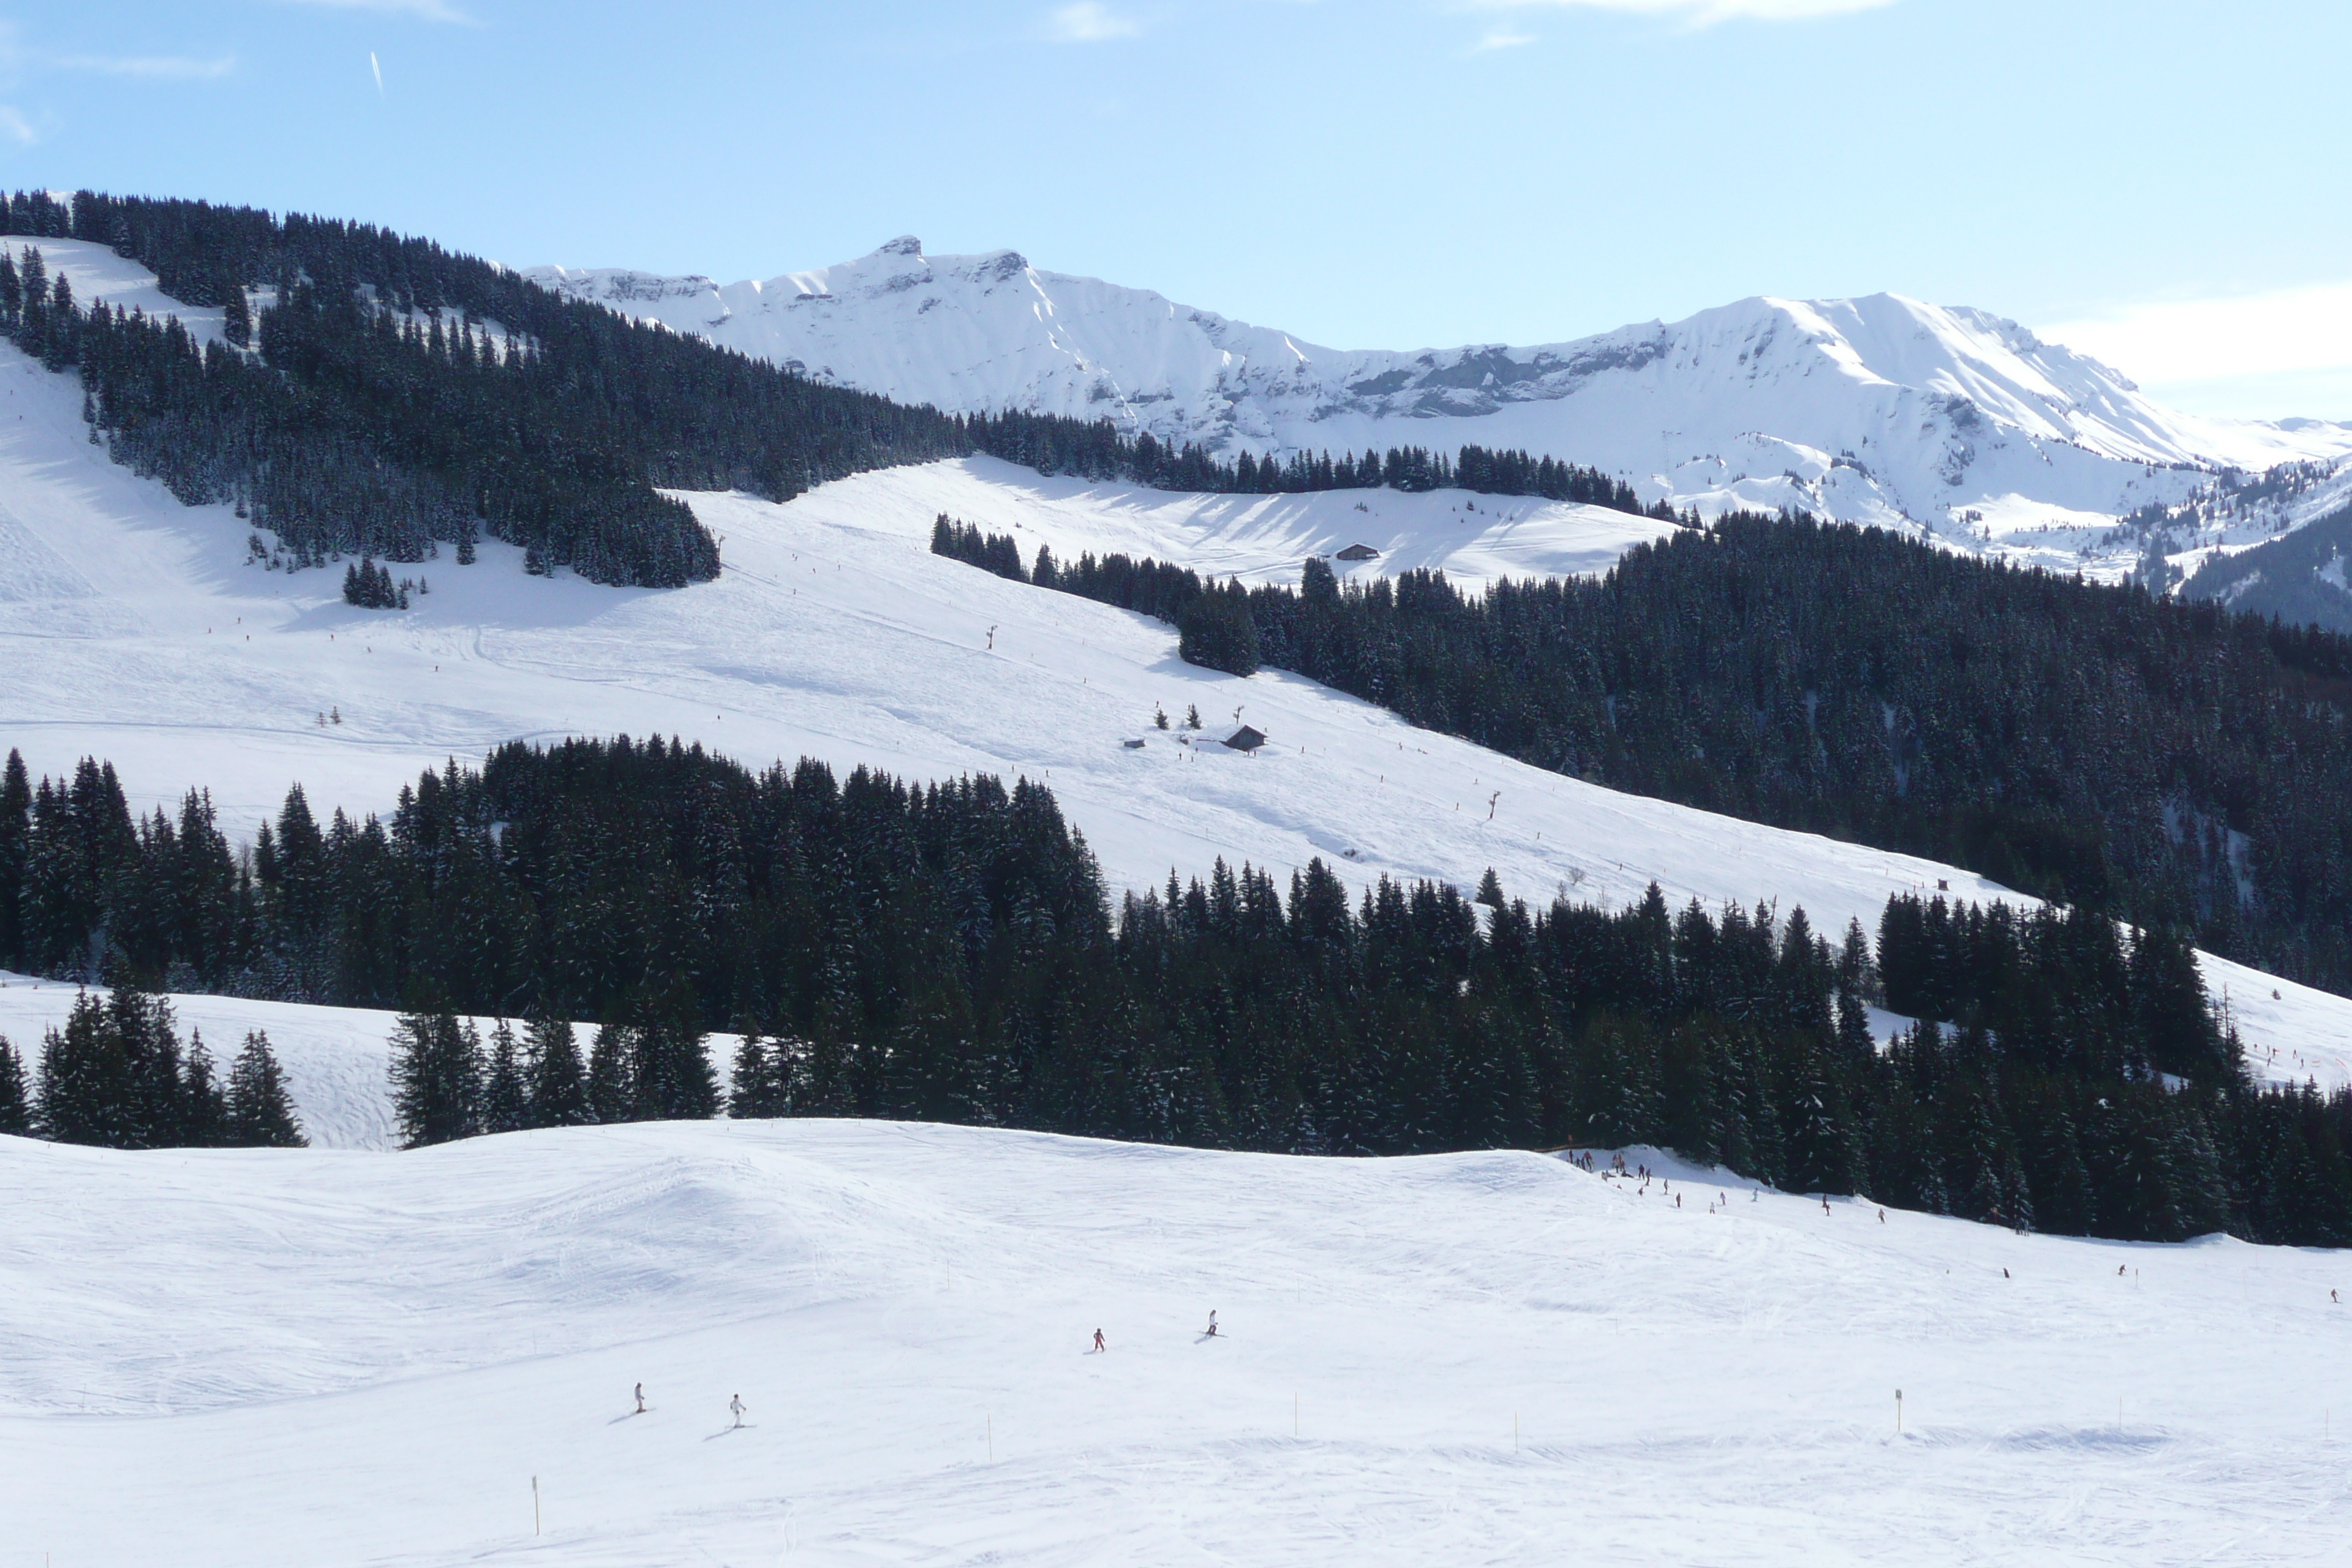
[[2160, 181]]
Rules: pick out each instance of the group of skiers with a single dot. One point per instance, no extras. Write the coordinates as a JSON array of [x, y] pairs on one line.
[[737, 1408], [734, 1405], [1207, 1335]]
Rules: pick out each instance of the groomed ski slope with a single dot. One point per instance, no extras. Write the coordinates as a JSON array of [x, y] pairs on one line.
[[232, 1358], [132, 628]]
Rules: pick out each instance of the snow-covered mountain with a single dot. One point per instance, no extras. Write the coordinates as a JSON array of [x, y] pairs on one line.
[[135, 628], [1873, 410]]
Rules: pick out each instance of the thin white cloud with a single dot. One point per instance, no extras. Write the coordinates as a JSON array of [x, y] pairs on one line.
[[425, 10], [1499, 40], [1705, 12], [19, 61], [2160, 341], [149, 68], [1088, 22], [17, 128]]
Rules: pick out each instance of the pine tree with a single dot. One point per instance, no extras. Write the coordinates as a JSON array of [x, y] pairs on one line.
[[1856, 1047], [674, 1078], [437, 1077], [759, 1088], [15, 1101], [15, 828], [559, 1084], [261, 1114], [505, 1099], [86, 1090], [612, 1076], [203, 1117], [237, 314]]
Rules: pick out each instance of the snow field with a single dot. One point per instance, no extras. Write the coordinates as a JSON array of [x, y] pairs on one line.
[[327, 1358], [132, 629]]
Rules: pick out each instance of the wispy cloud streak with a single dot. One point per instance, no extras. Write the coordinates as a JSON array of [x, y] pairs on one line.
[[1089, 23]]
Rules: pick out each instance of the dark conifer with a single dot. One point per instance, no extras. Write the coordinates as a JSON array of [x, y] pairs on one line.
[[204, 1120], [757, 1088], [16, 1096], [437, 1077], [15, 830], [505, 1099], [237, 315], [559, 1084], [612, 1076], [261, 1114], [86, 1094]]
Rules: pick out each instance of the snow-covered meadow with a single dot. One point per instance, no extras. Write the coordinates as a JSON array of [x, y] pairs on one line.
[[353, 1358]]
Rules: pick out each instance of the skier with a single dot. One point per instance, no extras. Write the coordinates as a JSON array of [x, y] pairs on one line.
[[641, 1399], [1213, 1323], [736, 1405], [1099, 1346], [2335, 1298]]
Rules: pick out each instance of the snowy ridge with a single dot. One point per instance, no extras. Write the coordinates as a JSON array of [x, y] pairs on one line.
[[1880, 409]]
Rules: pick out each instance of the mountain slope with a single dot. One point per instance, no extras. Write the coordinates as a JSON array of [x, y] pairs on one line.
[[428, 1359], [2300, 578], [134, 628], [1877, 410]]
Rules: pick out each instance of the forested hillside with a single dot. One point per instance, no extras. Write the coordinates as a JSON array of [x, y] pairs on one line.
[[388, 396], [948, 953], [2174, 765], [2300, 579]]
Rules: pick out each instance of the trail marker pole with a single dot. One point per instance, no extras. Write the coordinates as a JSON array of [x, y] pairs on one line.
[[1898, 1412], [534, 1505]]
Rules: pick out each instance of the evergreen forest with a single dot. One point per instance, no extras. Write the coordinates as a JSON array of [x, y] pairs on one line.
[[949, 952], [2174, 765]]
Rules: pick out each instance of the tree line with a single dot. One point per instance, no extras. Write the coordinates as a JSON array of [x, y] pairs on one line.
[[2174, 765], [373, 394], [947, 952], [117, 1076]]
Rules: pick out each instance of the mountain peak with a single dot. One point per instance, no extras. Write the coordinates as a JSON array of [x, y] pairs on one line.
[[1878, 408]]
